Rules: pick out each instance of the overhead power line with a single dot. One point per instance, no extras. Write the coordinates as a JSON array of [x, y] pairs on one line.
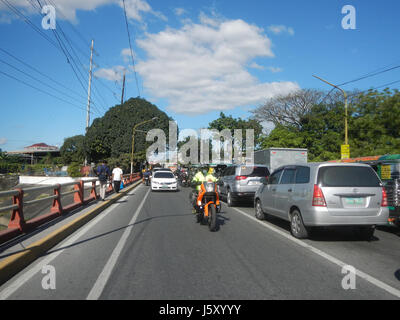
[[130, 46], [369, 75], [38, 89], [41, 73], [70, 58], [29, 22]]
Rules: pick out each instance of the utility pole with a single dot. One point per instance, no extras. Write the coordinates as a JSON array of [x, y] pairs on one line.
[[345, 148], [123, 89], [89, 91]]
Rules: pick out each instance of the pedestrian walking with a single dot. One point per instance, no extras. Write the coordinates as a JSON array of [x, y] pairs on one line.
[[103, 172], [117, 177]]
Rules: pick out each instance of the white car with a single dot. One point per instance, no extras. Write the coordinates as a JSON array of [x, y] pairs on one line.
[[164, 180]]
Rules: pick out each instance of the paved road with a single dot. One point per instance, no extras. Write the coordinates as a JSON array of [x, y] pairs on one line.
[[148, 246]]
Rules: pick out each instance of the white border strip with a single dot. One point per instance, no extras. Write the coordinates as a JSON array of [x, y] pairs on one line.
[[328, 257]]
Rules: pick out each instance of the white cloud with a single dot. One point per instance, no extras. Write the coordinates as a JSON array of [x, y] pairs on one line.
[[179, 11], [3, 141], [278, 29], [112, 74], [67, 8], [275, 69], [202, 67], [126, 55], [255, 65], [135, 9]]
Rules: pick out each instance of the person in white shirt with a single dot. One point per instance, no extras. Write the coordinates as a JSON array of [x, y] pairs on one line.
[[117, 177]]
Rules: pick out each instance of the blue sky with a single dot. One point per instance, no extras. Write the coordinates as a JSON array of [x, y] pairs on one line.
[[193, 58]]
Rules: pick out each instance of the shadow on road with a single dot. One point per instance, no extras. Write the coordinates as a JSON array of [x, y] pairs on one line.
[[392, 230], [324, 234], [221, 220], [115, 230], [397, 274]]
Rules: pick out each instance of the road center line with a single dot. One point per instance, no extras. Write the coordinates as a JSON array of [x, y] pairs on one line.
[[324, 255], [26, 276], [102, 280]]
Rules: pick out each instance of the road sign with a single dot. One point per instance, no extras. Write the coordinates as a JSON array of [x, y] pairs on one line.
[[386, 172], [345, 151]]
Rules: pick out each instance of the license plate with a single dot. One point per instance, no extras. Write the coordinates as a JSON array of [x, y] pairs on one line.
[[253, 182], [164, 187], [354, 201]]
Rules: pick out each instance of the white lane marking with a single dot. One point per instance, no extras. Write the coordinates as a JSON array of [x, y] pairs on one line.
[[328, 257], [26, 276], [102, 280]]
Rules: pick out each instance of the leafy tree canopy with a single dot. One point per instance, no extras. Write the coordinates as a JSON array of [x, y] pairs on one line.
[[111, 135], [373, 127]]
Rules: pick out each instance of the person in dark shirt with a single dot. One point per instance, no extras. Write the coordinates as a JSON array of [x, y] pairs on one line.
[[104, 174]]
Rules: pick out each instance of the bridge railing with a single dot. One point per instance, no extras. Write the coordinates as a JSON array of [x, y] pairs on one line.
[[18, 225]]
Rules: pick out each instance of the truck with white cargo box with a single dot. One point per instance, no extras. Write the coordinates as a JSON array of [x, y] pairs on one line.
[[274, 158]]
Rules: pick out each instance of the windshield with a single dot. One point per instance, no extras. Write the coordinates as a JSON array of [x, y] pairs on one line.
[[163, 175]]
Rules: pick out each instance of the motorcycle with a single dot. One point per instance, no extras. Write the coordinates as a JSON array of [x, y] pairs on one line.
[[208, 205], [184, 180], [146, 180]]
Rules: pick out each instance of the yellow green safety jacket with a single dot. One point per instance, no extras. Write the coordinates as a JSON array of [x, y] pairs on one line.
[[199, 177]]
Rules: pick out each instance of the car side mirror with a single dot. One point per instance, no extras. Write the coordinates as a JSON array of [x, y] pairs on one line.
[[220, 183], [264, 180]]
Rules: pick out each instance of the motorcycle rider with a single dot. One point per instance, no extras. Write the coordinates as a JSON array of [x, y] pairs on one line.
[[201, 176], [197, 180], [210, 175], [146, 175]]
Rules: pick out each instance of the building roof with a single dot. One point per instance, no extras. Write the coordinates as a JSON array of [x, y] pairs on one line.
[[40, 145]]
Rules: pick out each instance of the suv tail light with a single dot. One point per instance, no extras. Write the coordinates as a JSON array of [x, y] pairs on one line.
[[240, 178], [318, 197], [384, 202]]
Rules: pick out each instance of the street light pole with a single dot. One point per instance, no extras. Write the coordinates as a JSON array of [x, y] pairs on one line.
[[345, 107], [133, 138]]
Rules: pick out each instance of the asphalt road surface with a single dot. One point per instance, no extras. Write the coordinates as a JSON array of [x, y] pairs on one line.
[[148, 246]]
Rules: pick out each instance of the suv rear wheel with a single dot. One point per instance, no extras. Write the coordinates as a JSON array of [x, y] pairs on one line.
[[297, 227], [229, 200]]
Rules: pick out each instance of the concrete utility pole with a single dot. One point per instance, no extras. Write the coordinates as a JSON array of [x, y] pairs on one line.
[[346, 140], [89, 88], [89, 92], [123, 89]]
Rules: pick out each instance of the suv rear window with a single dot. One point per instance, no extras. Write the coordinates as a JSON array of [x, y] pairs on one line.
[[254, 171], [351, 176]]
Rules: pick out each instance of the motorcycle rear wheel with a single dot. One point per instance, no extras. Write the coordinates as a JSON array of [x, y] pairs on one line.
[[212, 218]]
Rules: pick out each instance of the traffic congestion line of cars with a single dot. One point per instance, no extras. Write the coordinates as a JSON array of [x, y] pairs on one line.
[[307, 195], [311, 195]]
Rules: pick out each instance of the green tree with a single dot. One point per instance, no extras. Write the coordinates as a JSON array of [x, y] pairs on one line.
[[73, 149], [111, 135], [374, 127], [228, 122]]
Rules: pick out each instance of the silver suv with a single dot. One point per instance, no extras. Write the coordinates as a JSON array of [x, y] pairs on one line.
[[240, 182], [324, 194]]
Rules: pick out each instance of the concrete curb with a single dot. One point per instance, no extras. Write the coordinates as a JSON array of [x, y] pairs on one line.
[[12, 265]]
